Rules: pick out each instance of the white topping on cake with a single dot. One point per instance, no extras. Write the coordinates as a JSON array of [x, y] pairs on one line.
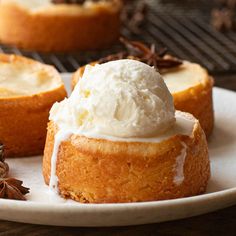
[[179, 166], [184, 77], [124, 98], [22, 79]]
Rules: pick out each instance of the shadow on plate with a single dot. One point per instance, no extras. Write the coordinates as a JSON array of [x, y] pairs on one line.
[[215, 186], [221, 136]]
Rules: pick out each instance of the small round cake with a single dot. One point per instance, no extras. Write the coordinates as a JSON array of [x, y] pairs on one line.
[[118, 138], [191, 87], [51, 25], [28, 90]]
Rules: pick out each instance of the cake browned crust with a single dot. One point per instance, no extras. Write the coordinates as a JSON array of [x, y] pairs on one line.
[[198, 101], [102, 171], [24, 118], [61, 27]]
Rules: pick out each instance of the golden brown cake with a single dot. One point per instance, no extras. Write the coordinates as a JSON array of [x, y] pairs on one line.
[[44, 26], [28, 89], [117, 138], [102, 171], [191, 87]]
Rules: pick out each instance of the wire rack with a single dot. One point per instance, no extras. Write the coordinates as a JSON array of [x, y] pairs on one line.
[[181, 26]]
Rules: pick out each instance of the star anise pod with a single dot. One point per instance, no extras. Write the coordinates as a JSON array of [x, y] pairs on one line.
[[11, 188], [223, 15], [139, 51], [4, 168], [134, 14], [150, 55], [223, 19]]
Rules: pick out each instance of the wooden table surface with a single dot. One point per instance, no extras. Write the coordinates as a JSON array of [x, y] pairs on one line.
[[222, 222]]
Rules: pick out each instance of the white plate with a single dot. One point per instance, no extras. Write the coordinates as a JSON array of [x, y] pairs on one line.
[[41, 208]]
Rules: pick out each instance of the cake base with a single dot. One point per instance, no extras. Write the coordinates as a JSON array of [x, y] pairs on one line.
[[198, 101], [23, 119], [103, 171]]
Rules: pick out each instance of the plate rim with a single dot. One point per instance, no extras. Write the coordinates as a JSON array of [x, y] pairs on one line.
[[202, 197]]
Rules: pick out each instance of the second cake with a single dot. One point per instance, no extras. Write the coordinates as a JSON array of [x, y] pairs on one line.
[[28, 89]]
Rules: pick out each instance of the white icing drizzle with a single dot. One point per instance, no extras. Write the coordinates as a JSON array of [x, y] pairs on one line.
[[179, 166], [61, 136], [52, 196], [183, 125]]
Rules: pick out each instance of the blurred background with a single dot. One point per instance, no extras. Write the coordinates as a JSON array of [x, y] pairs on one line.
[[197, 30]]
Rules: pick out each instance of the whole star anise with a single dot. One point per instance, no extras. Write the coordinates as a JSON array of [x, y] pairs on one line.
[[11, 188], [4, 168], [223, 15], [223, 19], [134, 14], [149, 55]]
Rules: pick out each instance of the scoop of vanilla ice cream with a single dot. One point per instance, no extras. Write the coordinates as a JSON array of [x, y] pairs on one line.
[[123, 98]]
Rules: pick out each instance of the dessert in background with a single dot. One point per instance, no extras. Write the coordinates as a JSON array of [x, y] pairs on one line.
[[58, 25], [28, 89], [189, 83], [118, 138], [191, 87], [223, 15]]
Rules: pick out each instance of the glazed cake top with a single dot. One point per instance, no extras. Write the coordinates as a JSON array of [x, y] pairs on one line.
[[184, 77], [23, 77]]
